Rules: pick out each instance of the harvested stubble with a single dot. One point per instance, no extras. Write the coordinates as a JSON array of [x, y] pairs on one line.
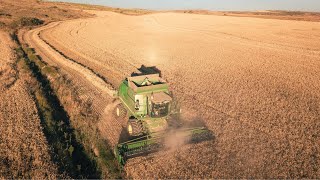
[[24, 151]]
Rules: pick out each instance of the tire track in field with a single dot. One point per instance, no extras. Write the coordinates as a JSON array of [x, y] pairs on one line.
[[94, 86], [92, 91], [105, 51], [96, 79], [114, 70]]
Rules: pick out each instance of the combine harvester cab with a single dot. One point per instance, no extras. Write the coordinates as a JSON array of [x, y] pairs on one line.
[[146, 102]]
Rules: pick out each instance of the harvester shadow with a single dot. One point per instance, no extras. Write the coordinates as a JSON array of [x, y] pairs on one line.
[[144, 70], [124, 136]]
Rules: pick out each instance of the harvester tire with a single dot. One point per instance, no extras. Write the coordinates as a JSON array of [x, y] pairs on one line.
[[120, 111], [134, 127]]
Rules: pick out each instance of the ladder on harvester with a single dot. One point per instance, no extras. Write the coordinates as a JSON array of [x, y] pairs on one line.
[[156, 141]]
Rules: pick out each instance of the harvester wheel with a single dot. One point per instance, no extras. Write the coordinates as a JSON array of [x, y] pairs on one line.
[[121, 112], [134, 127]]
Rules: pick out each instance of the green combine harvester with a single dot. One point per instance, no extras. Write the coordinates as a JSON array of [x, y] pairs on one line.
[[151, 110]]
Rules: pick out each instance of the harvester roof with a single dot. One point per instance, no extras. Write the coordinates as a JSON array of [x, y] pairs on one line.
[[160, 97]]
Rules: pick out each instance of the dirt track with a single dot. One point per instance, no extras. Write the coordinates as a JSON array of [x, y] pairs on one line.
[[254, 82], [24, 151], [92, 87]]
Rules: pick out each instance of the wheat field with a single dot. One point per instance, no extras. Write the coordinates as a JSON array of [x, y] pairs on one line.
[[253, 82]]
